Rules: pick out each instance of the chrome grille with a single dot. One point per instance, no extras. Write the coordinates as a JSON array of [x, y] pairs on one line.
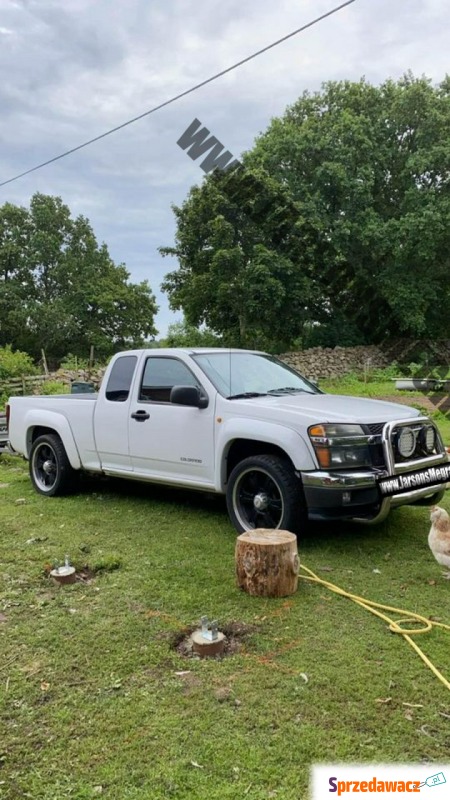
[[375, 428]]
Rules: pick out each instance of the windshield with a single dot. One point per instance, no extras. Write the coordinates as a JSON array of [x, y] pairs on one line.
[[251, 374]]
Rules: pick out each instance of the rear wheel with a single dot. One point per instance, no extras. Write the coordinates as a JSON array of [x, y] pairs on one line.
[[264, 492], [50, 470]]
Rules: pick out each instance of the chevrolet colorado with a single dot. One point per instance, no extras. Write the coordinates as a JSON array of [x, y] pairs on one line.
[[239, 423]]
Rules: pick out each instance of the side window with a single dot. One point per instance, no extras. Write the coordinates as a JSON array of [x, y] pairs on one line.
[[161, 375], [120, 378]]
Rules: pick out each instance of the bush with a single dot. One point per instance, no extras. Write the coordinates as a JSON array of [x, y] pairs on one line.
[[420, 370], [385, 374], [54, 387], [14, 364], [74, 363]]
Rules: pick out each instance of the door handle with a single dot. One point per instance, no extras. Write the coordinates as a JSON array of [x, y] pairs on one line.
[[140, 416]]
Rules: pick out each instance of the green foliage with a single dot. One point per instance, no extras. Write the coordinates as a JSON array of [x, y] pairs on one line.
[[60, 289], [54, 387], [107, 563], [380, 375], [439, 373], [338, 331], [423, 370], [71, 362], [413, 368], [14, 364], [336, 232], [181, 334], [385, 374]]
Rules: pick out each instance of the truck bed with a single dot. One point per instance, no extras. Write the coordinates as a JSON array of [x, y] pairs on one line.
[[78, 413]]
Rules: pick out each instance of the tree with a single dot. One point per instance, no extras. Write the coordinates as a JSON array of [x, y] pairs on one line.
[[16, 283], [60, 290], [229, 278], [357, 242], [181, 334]]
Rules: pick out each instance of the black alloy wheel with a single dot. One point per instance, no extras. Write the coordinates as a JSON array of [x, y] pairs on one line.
[[50, 470], [264, 492]]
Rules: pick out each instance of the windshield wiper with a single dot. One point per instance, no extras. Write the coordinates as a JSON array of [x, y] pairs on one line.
[[286, 390], [246, 394]]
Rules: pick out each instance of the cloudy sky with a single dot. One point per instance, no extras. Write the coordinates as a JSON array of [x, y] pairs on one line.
[[70, 70]]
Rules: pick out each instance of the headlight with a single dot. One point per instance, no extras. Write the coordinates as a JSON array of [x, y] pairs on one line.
[[427, 439], [406, 442], [340, 445]]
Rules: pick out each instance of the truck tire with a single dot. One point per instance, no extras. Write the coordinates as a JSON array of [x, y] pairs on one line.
[[264, 492], [50, 470]]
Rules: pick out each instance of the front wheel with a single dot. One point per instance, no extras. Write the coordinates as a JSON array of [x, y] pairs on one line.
[[50, 470], [264, 492]]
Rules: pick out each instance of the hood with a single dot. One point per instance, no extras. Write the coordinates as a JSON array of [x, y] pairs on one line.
[[317, 408]]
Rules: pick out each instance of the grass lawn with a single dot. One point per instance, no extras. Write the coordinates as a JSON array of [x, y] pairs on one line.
[[95, 701]]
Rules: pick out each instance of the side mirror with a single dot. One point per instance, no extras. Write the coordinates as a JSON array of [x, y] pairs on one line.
[[188, 396]]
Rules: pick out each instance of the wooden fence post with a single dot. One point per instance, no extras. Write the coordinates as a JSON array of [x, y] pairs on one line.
[[91, 361], [44, 361]]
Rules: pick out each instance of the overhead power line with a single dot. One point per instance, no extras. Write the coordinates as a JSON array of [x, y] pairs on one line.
[[182, 94]]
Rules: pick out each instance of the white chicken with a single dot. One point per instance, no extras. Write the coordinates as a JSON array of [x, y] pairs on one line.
[[439, 537]]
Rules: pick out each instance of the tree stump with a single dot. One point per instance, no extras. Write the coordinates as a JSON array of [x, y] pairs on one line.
[[267, 562]]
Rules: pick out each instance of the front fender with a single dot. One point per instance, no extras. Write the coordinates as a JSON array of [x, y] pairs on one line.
[[57, 423], [287, 439]]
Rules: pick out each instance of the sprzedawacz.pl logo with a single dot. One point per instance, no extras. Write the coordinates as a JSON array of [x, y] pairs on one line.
[[374, 780], [374, 785]]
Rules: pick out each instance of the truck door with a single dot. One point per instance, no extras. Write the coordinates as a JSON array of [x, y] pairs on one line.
[[166, 440], [111, 416]]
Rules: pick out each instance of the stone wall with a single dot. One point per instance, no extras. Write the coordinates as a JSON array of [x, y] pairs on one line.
[[66, 376], [333, 362]]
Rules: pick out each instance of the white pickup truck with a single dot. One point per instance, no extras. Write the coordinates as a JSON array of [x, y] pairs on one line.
[[239, 423]]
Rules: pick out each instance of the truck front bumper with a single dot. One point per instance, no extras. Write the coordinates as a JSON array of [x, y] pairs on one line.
[[355, 496]]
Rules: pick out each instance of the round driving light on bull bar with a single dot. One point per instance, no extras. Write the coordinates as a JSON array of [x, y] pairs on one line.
[[406, 442], [428, 438]]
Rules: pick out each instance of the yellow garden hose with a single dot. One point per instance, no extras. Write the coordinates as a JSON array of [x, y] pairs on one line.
[[394, 626]]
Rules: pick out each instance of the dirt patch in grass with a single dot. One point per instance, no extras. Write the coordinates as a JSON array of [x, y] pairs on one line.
[[237, 634], [437, 401], [85, 574]]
